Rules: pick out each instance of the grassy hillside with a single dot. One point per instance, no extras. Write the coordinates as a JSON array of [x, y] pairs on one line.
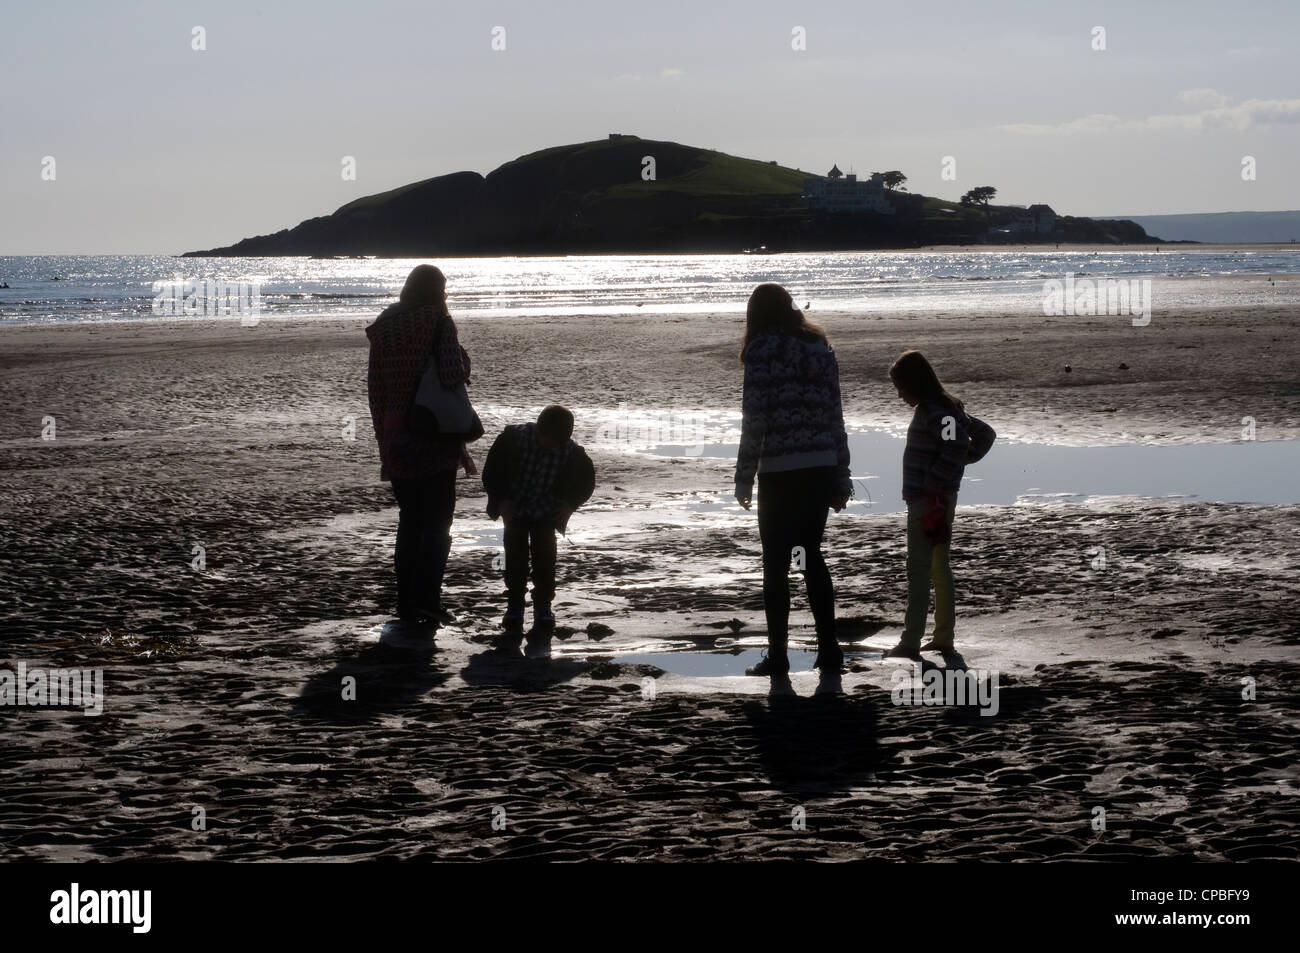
[[721, 175]]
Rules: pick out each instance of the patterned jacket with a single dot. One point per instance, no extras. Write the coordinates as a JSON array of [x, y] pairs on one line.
[[401, 344], [792, 415], [940, 442]]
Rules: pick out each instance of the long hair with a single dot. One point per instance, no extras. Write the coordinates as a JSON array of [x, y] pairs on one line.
[[771, 310], [913, 373], [426, 287]]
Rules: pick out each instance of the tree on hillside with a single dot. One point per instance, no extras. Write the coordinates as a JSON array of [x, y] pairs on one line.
[[981, 196], [894, 180]]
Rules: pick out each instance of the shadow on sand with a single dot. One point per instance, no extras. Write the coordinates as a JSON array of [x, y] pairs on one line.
[[829, 741], [819, 743], [524, 665], [389, 676]]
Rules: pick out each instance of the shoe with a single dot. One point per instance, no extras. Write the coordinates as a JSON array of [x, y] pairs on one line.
[[904, 651], [542, 615], [412, 615], [830, 658], [514, 617], [933, 646], [440, 615], [771, 665]]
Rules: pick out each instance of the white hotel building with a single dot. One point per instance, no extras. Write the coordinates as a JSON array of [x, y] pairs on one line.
[[837, 192]]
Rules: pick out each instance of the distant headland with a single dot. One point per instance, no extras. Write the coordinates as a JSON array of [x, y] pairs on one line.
[[630, 195]]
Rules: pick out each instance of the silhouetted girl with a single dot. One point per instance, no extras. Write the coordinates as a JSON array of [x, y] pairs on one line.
[[941, 439], [793, 438]]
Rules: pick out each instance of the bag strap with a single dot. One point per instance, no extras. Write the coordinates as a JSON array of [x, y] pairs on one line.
[[437, 350]]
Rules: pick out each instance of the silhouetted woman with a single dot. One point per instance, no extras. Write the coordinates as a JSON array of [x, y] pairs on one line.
[[422, 469], [793, 438]]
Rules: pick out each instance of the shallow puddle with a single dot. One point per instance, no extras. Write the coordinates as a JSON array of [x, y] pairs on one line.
[[713, 664], [1239, 472], [716, 664]]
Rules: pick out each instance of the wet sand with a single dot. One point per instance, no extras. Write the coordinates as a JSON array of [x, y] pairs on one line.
[[1120, 686]]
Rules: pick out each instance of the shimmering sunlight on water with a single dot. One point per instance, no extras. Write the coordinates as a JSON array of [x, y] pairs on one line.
[[120, 287]]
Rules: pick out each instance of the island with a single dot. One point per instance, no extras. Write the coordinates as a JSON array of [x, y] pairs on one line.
[[628, 195]]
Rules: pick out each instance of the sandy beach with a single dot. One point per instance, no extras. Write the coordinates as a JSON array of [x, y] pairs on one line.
[[1121, 686]]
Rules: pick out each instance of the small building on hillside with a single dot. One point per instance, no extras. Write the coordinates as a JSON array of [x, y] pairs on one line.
[[1018, 222], [837, 192], [1044, 218], [1035, 220]]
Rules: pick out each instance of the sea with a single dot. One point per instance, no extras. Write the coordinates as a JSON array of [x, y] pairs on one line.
[[89, 288]]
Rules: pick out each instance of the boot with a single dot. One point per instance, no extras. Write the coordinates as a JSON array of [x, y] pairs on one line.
[[775, 660]]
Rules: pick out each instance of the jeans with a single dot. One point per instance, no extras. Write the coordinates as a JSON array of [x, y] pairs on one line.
[[928, 564], [425, 510], [521, 537], [792, 509]]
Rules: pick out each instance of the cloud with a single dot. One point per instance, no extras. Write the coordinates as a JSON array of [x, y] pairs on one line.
[[1253, 51], [1206, 98], [1097, 122], [668, 73], [1215, 113]]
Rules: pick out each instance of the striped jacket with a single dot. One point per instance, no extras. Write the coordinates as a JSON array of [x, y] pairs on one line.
[[940, 442], [792, 415]]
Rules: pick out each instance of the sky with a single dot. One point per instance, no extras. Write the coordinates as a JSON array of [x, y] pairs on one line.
[[159, 147]]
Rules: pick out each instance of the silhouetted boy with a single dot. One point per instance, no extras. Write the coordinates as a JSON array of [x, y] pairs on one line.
[[535, 477]]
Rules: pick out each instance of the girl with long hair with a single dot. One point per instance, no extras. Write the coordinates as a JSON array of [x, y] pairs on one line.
[[941, 439], [793, 440]]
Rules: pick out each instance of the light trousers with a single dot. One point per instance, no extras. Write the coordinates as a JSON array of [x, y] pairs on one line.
[[927, 565]]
